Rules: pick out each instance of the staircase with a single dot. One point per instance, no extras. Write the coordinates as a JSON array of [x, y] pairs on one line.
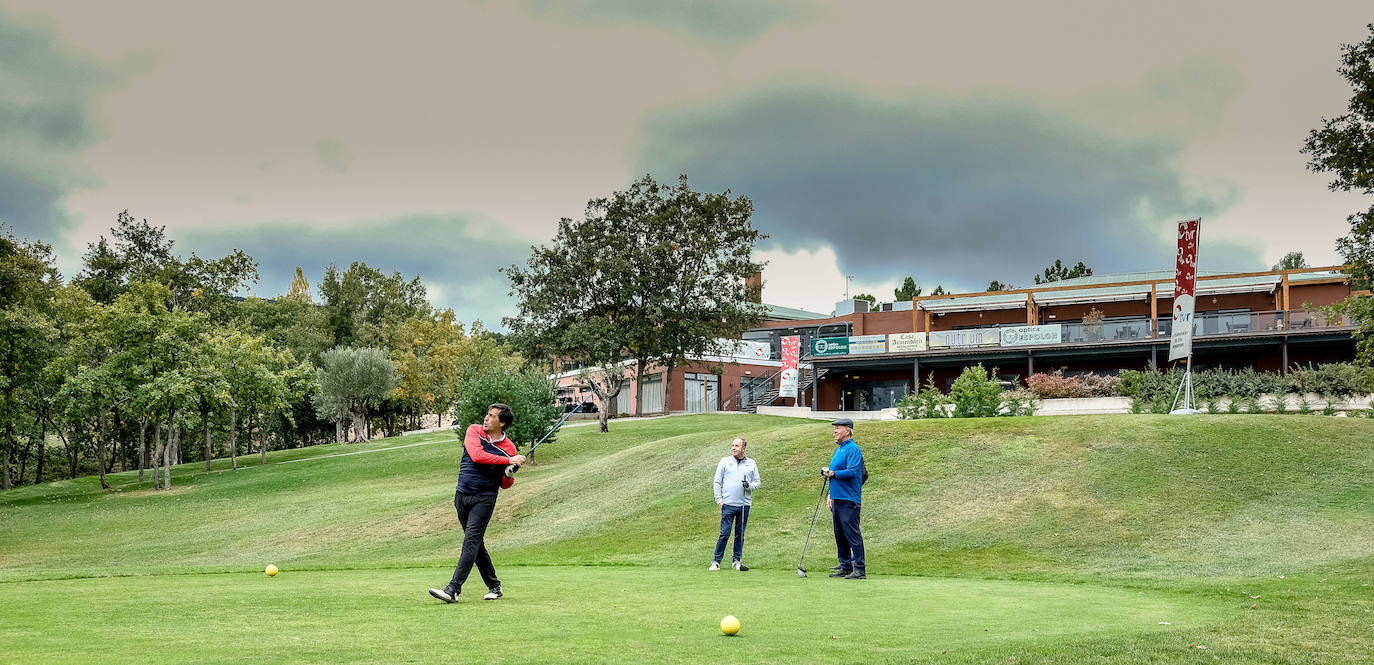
[[808, 377]]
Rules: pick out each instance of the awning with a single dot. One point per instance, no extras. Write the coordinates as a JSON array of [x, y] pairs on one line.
[[975, 303]]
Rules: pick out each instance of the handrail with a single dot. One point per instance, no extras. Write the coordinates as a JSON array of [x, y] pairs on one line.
[[725, 403]]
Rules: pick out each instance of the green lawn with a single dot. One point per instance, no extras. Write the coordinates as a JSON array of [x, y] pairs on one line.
[[1010, 540]]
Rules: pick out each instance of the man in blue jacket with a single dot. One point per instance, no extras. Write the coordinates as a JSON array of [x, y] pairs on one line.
[[846, 488]]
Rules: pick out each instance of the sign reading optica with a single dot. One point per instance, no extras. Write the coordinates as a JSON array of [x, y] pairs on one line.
[[867, 344], [830, 346], [913, 341], [1031, 335], [959, 339]]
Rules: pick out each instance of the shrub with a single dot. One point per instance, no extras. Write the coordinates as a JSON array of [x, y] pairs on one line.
[[529, 394], [927, 402], [1334, 379], [1019, 402], [975, 394], [1051, 385]]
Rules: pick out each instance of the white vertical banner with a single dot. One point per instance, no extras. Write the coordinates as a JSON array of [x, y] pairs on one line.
[[791, 350], [1185, 282]]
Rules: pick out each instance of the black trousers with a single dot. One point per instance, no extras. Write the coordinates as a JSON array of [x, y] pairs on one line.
[[848, 541], [474, 513]]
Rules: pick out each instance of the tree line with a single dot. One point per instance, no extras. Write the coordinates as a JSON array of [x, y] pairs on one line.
[[146, 359]]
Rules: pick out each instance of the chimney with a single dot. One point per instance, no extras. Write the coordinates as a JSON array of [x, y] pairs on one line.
[[753, 288]]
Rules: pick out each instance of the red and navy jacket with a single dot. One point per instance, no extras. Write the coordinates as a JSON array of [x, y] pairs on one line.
[[483, 469]]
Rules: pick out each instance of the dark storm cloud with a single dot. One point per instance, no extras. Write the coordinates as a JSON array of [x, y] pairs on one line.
[[46, 116], [954, 192], [730, 21], [451, 254]]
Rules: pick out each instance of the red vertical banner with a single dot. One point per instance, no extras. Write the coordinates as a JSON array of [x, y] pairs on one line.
[[1185, 291], [791, 348]]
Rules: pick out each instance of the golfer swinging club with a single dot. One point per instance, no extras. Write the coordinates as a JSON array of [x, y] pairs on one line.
[[486, 454]]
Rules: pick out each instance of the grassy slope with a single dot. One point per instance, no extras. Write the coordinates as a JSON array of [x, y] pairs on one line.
[[1215, 507]]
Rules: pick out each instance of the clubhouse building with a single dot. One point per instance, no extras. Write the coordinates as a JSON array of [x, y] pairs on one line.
[[868, 360]]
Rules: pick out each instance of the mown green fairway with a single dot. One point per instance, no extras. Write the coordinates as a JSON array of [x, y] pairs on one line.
[[1011, 540], [569, 614]]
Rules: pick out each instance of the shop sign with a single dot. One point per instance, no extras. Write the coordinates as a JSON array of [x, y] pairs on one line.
[[903, 342], [830, 346], [867, 344], [1031, 335]]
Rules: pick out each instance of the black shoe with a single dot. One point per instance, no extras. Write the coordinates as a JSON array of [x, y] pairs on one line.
[[856, 575], [493, 593], [842, 573], [448, 594], [837, 567]]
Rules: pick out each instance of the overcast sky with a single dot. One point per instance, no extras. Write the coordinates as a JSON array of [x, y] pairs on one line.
[[953, 142]]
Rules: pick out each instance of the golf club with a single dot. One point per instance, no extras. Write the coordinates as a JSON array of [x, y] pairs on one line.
[[512, 468], [801, 571]]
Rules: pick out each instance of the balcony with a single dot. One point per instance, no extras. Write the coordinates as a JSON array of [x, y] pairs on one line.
[[1232, 323], [1207, 324]]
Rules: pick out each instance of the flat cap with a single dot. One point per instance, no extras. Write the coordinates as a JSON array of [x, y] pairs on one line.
[[844, 422]]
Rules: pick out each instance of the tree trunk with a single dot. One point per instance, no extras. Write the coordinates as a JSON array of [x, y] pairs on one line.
[[607, 401], [233, 434], [262, 448], [339, 431], [24, 460], [72, 456], [142, 446], [205, 416], [639, 388], [100, 436], [120, 449], [359, 427], [157, 455], [173, 443], [9, 428], [668, 389], [42, 451]]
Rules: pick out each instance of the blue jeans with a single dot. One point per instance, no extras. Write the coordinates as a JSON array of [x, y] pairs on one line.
[[848, 541], [738, 517]]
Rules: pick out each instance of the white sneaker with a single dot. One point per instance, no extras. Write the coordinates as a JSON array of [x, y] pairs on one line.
[[715, 565], [740, 566], [493, 593]]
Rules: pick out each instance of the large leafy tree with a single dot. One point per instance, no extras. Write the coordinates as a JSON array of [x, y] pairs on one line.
[[581, 299], [352, 382], [27, 278], [138, 251], [1344, 147], [429, 356], [364, 306], [655, 273]]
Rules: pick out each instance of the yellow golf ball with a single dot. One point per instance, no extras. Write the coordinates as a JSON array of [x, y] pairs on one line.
[[729, 625], [271, 570]]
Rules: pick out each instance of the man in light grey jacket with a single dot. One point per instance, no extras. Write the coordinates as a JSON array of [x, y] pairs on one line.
[[736, 479]]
